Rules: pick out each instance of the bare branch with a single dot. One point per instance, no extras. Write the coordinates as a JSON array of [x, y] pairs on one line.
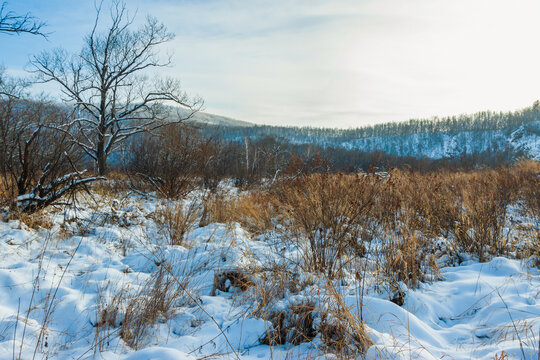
[[11, 23]]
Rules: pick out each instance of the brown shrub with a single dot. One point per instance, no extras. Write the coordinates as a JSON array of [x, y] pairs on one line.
[[168, 160], [326, 214]]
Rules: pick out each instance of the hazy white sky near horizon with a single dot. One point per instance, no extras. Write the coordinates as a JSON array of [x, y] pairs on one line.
[[341, 63]]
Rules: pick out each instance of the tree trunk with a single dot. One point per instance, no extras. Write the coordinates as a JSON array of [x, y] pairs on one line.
[[101, 157]]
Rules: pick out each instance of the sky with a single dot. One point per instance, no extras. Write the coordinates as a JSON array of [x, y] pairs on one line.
[[333, 63]]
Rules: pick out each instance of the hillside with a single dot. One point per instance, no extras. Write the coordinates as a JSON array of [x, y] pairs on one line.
[[218, 120], [435, 138]]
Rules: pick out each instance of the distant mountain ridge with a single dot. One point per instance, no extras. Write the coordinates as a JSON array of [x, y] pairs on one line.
[[218, 120]]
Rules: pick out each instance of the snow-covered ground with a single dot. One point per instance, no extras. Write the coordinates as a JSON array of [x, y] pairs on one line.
[[55, 284]]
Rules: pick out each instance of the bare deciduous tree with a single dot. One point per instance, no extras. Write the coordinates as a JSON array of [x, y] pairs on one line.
[[11, 23], [106, 83]]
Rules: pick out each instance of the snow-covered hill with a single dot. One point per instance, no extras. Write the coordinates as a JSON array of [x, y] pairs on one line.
[[218, 120], [525, 138]]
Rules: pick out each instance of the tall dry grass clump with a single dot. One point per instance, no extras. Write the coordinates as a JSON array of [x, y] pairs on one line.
[[469, 207], [176, 220], [217, 207], [115, 184], [342, 330], [7, 193], [325, 214], [152, 304], [256, 211], [486, 197], [430, 202], [409, 216], [528, 177]]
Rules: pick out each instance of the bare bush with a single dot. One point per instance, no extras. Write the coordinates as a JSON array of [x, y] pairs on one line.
[[168, 161], [38, 165]]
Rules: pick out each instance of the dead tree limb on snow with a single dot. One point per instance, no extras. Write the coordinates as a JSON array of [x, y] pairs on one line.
[[44, 195]]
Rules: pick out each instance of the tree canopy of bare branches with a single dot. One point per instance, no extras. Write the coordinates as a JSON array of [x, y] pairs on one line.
[[11, 23], [108, 84]]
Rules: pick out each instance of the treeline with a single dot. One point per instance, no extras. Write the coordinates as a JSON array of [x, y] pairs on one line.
[[172, 157], [481, 121]]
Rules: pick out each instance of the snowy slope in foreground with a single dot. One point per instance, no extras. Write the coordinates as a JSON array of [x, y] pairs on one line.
[[69, 276]]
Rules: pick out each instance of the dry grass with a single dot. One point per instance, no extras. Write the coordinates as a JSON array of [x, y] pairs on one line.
[[217, 208], [342, 330], [528, 176], [108, 319], [333, 219], [37, 220], [152, 304], [293, 325], [176, 220], [470, 208], [326, 214], [485, 201], [226, 280], [116, 183], [340, 327], [7, 190], [256, 211]]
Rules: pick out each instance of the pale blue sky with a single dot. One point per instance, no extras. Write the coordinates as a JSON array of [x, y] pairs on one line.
[[328, 63]]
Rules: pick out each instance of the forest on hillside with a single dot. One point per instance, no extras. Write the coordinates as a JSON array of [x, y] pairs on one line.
[[480, 121]]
